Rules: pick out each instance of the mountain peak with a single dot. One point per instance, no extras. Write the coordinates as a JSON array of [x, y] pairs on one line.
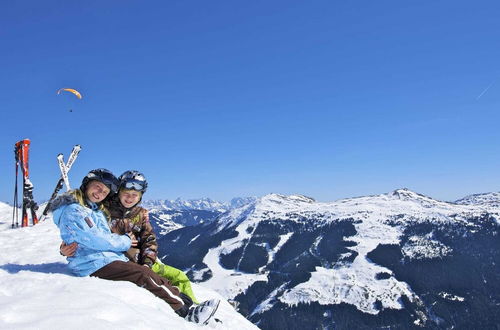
[[302, 198], [490, 199], [279, 199], [406, 194]]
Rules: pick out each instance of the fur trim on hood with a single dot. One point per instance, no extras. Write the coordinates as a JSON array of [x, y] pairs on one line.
[[64, 199]]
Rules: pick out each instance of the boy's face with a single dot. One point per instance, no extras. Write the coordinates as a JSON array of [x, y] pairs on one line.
[[129, 198], [96, 191]]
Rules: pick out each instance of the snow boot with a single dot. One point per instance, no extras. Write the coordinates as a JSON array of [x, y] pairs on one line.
[[202, 313]]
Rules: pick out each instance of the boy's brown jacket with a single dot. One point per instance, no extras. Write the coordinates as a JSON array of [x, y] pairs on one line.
[[136, 221]]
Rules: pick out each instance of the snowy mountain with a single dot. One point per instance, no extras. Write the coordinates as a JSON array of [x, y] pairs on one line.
[[239, 202], [205, 204], [37, 292], [400, 260], [168, 215], [489, 200]]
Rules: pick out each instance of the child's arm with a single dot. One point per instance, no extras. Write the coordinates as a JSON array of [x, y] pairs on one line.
[[149, 245], [79, 227]]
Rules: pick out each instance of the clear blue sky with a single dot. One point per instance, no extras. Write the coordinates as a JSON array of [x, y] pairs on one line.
[[218, 99]]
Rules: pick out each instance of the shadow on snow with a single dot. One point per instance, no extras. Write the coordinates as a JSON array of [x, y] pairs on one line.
[[50, 268]]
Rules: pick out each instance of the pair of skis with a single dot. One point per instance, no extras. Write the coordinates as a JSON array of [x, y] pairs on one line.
[[21, 152], [63, 180], [64, 168]]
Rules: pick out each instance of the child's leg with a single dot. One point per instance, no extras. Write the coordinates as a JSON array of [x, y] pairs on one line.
[[176, 276], [146, 278]]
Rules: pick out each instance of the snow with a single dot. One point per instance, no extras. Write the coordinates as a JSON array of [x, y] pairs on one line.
[[267, 303], [38, 292], [379, 219], [166, 224], [193, 204], [227, 282], [451, 297], [425, 248], [356, 283], [492, 198], [272, 253], [193, 239]]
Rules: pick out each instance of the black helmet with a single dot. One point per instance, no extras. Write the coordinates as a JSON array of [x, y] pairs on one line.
[[134, 180], [102, 175]]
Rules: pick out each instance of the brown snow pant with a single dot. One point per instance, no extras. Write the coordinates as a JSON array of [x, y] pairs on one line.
[[143, 277]]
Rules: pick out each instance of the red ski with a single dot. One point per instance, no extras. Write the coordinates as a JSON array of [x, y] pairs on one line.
[[21, 151]]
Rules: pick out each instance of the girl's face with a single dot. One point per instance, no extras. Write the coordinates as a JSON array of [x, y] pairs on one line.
[[129, 198], [96, 191]]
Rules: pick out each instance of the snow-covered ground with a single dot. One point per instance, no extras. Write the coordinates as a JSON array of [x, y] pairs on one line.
[[379, 219], [38, 292], [166, 224]]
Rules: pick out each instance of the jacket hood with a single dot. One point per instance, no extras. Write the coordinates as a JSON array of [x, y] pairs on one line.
[[62, 200]]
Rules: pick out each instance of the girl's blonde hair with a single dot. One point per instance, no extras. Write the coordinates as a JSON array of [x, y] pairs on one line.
[[80, 197]]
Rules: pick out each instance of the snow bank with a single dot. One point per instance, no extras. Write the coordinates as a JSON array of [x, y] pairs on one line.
[[38, 292]]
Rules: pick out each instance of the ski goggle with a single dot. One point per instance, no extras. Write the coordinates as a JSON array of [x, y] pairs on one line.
[[134, 185]]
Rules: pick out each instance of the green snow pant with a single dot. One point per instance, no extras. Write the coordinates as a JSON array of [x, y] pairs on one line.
[[176, 276]]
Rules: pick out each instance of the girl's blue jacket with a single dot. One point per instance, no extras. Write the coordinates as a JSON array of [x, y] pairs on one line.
[[88, 227]]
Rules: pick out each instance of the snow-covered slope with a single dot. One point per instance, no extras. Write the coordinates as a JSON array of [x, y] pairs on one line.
[[5, 214], [491, 199], [37, 292], [291, 250], [354, 283], [163, 222]]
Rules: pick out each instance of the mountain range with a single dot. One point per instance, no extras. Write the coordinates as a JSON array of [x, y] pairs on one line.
[[397, 260], [168, 215]]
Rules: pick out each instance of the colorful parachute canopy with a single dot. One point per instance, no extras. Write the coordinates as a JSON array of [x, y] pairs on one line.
[[71, 90]]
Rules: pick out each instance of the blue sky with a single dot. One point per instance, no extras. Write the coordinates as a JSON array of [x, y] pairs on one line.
[[218, 99]]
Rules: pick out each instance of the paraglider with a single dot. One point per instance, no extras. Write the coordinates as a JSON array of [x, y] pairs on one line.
[[71, 90]]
